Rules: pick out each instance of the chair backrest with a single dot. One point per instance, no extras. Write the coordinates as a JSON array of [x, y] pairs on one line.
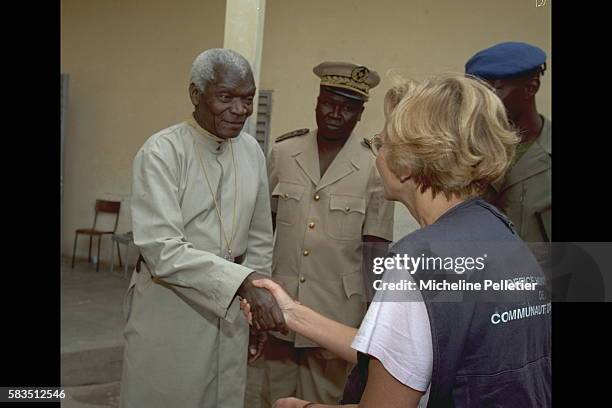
[[111, 207]]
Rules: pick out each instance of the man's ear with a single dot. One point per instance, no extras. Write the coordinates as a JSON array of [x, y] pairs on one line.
[[194, 94], [532, 86]]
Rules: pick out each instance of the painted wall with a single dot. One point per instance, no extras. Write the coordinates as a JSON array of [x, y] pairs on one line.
[[129, 65], [411, 37]]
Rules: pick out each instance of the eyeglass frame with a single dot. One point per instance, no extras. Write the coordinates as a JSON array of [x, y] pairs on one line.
[[371, 143]]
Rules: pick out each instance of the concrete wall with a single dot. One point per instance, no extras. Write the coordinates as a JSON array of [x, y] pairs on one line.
[[129, 65], [411, 37]]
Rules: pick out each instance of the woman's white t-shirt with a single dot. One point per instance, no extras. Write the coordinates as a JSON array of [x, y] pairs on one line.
[[399, 336]]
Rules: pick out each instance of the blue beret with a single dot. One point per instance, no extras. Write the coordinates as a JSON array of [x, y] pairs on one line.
[[505, 60]]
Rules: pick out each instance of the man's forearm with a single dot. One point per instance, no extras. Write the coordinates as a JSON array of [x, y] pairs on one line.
[[329, 334]]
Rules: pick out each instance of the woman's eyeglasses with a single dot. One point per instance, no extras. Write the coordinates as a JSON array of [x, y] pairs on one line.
[[375, 143]]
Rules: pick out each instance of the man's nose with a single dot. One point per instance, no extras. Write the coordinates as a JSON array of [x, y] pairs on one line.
[[239, 107], [336, 112]]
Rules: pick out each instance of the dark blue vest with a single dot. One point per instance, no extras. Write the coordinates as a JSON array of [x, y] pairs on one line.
[[492, 348]]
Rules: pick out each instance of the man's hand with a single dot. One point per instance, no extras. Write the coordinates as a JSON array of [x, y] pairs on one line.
[[246, 310], [266, 313], [285, 302], [257, 341]]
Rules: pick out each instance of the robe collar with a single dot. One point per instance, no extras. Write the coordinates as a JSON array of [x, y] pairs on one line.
[[212, 142]]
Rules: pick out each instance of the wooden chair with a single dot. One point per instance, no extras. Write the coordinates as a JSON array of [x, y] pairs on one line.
[[102, 206]]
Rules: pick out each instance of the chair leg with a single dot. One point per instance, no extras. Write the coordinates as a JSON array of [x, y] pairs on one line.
[[98, 260], [119, 252], [74, 249], [89, 255], [112, 258]]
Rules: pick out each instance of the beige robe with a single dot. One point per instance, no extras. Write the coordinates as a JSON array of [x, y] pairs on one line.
[[186, 340]]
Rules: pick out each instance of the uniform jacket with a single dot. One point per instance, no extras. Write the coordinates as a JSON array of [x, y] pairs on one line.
[[524, 195], [320, 223]]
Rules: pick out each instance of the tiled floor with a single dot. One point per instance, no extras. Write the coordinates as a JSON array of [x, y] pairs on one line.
[[91, 307]]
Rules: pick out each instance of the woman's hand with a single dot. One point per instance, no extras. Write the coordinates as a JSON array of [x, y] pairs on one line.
[[290, 402], [266, 313], [284, 301]]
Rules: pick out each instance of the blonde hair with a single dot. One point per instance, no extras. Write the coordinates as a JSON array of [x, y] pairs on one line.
[[450, 132]]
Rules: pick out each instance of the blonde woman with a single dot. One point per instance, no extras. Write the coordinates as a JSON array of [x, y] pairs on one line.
[[445, 140]]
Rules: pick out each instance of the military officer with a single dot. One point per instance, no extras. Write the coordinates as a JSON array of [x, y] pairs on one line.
[[514, 70], [326, 200]]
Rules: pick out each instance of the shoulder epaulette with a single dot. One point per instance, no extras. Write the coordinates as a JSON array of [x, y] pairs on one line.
[[289, 135], [366, 143]]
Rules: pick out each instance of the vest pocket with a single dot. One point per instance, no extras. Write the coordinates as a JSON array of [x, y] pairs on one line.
[[346, 217], [288, 196]]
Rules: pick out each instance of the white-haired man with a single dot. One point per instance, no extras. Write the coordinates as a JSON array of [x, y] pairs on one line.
[[201, 219]]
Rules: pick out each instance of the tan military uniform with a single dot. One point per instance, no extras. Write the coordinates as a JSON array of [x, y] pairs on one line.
[[525, 193], [317, 256]]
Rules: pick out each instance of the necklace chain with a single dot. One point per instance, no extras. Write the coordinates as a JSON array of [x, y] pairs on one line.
[[231, 240]]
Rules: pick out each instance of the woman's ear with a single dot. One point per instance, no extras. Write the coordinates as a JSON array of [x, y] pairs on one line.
[[404, 178]]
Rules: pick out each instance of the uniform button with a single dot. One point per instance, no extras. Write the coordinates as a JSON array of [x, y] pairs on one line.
[[311, 225], [347, 209], [305, 252], [302, 279], [286, 195], [316, 197]]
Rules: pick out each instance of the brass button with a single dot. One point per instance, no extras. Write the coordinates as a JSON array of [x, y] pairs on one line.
[[305, 252], [286, 195], [302, 279], [311, 225], [316, 197], [347, 209]]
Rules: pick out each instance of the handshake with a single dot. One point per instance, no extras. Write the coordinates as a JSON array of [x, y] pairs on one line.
[[267, 307]]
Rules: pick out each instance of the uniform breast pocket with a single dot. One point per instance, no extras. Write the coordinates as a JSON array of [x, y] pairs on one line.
[[289, 196], [346, 215]]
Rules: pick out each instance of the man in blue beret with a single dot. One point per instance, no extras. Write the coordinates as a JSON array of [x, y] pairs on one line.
[[514, 70]]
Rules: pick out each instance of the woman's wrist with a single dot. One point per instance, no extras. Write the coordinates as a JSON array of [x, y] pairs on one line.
[[293, 315]]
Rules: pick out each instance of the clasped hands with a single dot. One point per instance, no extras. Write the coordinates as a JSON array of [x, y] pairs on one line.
[[266, 306]]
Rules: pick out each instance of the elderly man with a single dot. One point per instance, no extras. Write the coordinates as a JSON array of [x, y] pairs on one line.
[[201, 219], [327, 199], [514, 70]]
